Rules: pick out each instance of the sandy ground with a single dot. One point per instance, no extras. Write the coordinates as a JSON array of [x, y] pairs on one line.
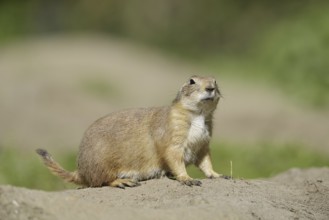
[[44, 102], [295, 194]]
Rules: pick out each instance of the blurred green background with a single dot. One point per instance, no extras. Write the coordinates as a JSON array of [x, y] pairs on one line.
[[285, 41], [281, 44]]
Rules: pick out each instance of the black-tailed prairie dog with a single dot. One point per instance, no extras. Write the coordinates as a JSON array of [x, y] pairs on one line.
[[133, 145]]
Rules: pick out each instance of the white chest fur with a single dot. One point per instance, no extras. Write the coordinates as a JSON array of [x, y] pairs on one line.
[[198, 129], [197, 135]]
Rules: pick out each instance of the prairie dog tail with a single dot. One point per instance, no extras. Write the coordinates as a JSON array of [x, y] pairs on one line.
[[56, 169]]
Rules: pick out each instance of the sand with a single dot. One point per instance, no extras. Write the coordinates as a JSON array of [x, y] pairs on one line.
[[295, 194]]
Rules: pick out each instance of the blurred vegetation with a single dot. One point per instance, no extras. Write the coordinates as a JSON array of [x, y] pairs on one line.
[[261, 160], [26, 169], [291, 55], [99, 88], [283, 42], [295, 53]]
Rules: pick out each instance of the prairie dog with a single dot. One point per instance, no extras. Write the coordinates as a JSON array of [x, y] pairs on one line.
[[129, 146]]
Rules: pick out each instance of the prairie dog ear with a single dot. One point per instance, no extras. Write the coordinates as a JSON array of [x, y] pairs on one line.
[[193, 79]]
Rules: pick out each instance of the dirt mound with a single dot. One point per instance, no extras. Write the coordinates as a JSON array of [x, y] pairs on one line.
[[295, 194]]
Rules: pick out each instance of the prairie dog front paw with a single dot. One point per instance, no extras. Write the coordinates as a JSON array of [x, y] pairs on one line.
[[189, 181]]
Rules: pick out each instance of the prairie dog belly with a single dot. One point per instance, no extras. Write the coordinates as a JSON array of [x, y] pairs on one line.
[[139, 175], [198, 130], [198, 135]]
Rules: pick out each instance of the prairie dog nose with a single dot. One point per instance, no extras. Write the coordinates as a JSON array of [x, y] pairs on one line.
[[210, 89]]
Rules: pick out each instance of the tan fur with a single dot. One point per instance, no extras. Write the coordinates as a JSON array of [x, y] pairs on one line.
[[56, 169], [128, 146]]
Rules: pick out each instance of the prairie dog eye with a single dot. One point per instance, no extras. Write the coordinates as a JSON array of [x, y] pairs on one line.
[[192, 82]]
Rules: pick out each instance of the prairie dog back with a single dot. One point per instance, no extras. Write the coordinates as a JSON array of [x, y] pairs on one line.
[[133, 145]]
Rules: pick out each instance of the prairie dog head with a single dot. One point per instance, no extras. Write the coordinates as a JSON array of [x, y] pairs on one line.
[[199, 94]]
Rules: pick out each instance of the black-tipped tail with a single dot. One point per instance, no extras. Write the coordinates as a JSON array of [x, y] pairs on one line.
[[43, 153], [57, 170]]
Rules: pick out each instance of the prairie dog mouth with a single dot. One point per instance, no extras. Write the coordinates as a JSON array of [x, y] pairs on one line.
[[208, 99]]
